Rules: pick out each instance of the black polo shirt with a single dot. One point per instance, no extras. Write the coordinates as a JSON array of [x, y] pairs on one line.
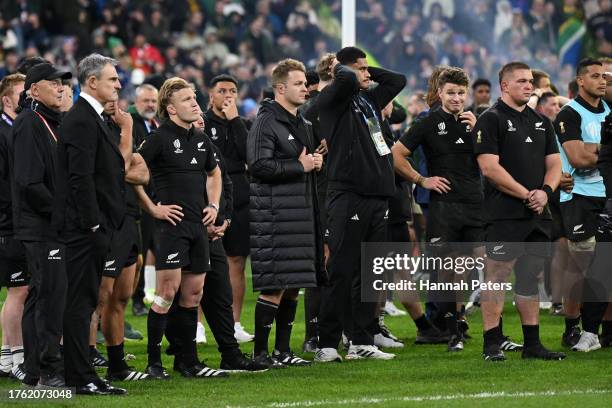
[[522, 140], [179, 160], [447, 144]]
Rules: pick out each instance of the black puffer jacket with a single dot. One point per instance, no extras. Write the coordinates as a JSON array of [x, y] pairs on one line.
[[286, 240]]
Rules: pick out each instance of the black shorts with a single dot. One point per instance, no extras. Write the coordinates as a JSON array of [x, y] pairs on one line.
[[558, 228], [183, 246], [449, 222], [124, 249], [236, 240], [148, 233], [510, 239], [13, 267], [581, 216]]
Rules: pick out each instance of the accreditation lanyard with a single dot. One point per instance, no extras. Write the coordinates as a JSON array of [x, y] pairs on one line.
[[374, 128], [47, 125]]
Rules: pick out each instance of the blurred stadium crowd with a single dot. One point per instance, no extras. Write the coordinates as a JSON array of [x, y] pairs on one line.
[[198, 39]]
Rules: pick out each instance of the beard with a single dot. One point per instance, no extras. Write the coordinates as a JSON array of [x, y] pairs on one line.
[[148, 115]]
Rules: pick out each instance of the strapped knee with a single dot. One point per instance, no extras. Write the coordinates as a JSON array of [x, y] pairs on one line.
[[161, 302], [587, 245]]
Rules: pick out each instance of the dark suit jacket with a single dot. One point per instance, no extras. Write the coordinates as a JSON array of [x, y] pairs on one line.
[[91, 172], [139, 129]]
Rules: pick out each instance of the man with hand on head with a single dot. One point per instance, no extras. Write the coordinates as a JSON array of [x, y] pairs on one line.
[[360, 183]]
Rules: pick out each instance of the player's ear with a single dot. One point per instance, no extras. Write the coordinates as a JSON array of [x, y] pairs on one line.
[[171, 109]]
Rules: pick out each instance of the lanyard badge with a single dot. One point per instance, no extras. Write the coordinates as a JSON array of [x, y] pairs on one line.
[[375, 131]]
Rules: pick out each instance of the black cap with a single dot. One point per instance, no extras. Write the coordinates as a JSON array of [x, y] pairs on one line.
[[44, 71]]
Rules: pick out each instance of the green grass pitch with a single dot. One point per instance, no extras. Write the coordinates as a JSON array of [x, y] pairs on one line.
[[426, 376]]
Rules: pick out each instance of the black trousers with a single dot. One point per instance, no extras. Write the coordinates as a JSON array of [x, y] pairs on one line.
[[216, 304], [42, 321], [217, 300], [85, 255], [352, 219]]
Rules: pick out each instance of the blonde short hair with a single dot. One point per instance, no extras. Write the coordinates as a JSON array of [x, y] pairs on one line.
[[283, 68], [166, 91]]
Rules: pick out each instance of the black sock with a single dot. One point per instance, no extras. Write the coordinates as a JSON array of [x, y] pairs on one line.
[[116, 360], [450, 318], [422, 323], [312, 304], [92, 350], [501, 325], [156, 325], [264, 316], [531, 335], [571, 322], [606, 328], [172, 331], [491, 336], [187, 325], [284, 323]]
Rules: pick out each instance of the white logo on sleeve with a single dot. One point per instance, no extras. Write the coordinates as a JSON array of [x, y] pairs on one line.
[[177, 146], [290, 137], [577, 229], [200, 148], [109, 263], [511, 127], [355, 217], [434, 240], [16, 275], [497, 247], [459, 141], [194, 161], [538, 126], [528, 140], [213, 133], [442, 128], [386, 217]]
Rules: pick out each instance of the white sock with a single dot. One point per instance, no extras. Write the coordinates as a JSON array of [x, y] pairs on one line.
[[480, 274], [237, 326], [17, 355], [6, 359], [149, 278]]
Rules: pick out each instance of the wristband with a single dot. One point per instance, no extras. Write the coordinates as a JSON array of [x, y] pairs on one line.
[[215, 206], [548, 190]]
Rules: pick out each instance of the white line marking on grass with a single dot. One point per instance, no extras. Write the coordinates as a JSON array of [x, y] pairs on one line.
[[481, 395]]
